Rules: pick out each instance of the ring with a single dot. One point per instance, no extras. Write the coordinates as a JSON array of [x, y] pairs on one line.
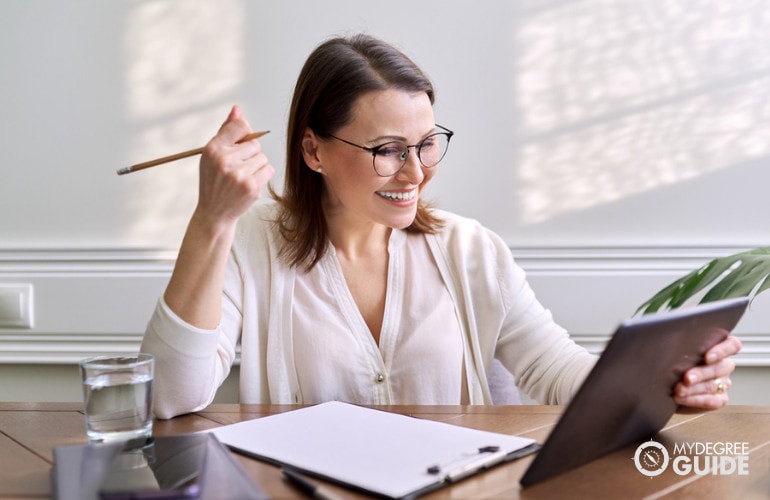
[[721, 387]]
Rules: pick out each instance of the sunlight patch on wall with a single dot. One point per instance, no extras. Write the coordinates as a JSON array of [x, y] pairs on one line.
[[615, 98], [184, 63]]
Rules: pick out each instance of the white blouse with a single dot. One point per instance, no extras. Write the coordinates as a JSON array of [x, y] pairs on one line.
[[303, 340], [419, 359]]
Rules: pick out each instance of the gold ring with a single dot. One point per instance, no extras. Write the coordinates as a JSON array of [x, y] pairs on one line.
[[721, 387]]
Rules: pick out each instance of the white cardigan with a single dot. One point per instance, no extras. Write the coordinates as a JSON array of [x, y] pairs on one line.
[[499, 315]]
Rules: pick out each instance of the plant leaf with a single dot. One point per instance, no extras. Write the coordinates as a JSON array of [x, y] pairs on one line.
[[740, 275], [741, 281]]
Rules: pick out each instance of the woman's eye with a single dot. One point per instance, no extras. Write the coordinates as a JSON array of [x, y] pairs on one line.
[[428, 143], [389, 150]]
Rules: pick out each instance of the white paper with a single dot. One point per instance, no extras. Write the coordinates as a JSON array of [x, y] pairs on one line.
[[382, 452]]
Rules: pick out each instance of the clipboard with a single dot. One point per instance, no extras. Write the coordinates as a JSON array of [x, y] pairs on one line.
[[372, 451]]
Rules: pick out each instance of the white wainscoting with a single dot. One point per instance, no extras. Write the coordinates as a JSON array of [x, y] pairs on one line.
[[89, 302], [86, 302]]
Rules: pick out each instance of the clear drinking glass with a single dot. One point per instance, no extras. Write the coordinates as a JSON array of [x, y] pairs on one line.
[[117, 391]]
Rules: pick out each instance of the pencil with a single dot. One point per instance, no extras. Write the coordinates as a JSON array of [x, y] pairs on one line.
[[179, 156]]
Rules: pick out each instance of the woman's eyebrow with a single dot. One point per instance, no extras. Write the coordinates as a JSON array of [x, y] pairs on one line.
[[388, 138]]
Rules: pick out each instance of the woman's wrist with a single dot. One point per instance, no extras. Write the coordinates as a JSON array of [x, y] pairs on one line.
[[210, 227]]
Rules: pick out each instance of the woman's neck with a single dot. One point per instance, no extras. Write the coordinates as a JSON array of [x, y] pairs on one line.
[[355, 240]]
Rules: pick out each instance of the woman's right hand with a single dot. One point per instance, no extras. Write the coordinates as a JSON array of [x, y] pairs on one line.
[[232, 174]]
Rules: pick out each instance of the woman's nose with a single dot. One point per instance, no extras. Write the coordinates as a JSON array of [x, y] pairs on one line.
[[412, 169]]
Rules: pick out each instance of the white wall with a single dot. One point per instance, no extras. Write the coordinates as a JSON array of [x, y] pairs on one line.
[[614, 144]]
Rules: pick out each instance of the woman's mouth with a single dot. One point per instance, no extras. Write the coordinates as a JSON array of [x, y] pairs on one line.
[[398, 195]]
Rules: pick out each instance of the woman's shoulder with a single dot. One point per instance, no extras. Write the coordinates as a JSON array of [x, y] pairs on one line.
[[258, 223], [459, 226], [261, 214], [465, 235]]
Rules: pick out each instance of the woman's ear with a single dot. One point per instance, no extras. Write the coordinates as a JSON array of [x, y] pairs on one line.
[[310, 143]]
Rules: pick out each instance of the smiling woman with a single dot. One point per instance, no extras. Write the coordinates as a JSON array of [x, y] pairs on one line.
[[352, 188], [613, 146], [350, 287]]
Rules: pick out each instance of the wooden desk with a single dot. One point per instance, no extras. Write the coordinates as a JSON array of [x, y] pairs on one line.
[[30, 431]]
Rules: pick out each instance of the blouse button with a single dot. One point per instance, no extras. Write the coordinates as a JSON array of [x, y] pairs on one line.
[[380, 377]]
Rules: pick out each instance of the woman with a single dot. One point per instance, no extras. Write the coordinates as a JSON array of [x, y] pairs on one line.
[[349, 287]]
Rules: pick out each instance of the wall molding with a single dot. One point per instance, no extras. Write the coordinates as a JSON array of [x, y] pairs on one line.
[[86, 301], [92, 301]]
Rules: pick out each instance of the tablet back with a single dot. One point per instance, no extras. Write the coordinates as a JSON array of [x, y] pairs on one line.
[[627, 396]]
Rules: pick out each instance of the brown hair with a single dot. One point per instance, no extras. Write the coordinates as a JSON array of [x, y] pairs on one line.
[[335, 74]]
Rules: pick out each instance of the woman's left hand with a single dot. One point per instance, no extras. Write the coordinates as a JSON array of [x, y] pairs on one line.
[[705, 386]]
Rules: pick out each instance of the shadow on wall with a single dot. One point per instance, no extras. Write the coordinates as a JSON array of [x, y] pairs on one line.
[[621, 98], [181, 72]]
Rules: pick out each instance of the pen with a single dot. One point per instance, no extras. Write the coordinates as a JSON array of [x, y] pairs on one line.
[[179, 156], [312, 489], [466, 470], [488, 456]]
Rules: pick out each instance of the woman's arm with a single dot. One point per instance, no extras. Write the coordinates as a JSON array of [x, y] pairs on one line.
[[193, 352], [232, 176]]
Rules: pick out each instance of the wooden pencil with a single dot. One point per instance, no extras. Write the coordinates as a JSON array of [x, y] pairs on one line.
[[179, 156]]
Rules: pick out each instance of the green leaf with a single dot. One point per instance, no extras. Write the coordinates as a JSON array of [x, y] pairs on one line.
[[740, 275]]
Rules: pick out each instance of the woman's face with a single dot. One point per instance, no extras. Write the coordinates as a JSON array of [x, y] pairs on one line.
[[353, 189]]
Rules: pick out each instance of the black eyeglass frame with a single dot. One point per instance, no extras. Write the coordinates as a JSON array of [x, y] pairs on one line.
[[375, 149]]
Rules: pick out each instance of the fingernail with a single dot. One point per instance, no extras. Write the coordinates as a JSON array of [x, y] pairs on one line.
[[711, 357], [692, 378]]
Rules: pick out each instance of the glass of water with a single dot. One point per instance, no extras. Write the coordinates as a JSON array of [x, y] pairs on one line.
[[117, 391]]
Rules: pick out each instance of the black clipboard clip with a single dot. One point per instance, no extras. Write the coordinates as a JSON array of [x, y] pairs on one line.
[[468, 463], [484, 458]]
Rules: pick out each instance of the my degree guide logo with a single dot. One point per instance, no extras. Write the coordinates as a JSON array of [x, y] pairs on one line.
[[700, 458]]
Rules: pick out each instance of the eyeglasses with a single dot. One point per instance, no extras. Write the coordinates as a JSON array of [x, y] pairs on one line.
[[389, 158]]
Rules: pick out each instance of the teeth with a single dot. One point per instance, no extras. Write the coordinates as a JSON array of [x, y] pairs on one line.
[[398, 196]]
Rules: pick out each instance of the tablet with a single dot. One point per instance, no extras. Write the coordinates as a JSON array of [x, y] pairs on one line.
[[627, 396], [192, 465]]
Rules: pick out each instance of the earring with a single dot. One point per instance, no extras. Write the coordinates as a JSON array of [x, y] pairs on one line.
[[320, 170]]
